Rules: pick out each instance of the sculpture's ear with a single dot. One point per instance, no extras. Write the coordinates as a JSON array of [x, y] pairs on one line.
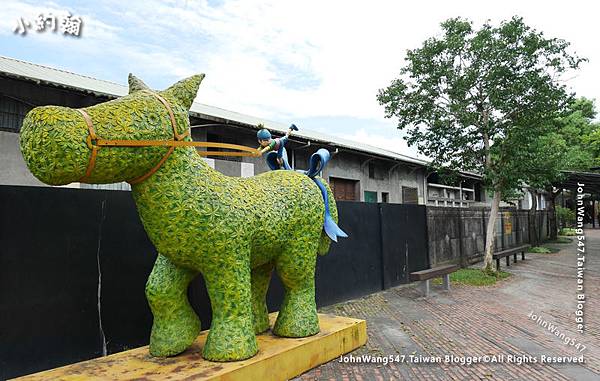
[[136, 84], [185, 90]]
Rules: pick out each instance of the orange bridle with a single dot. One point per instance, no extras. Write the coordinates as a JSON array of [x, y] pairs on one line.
[[95, 143]]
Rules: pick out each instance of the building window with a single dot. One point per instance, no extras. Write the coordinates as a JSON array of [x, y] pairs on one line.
[[374, 172], [12, 113], [370, 196], [410, 195], [344, 189], [385, 197]]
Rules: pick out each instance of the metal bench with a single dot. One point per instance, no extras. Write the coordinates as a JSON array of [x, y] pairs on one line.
[[508, 252], [425, 275]]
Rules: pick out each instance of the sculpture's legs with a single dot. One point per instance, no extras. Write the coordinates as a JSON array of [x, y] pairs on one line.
[[231, 335], [261, 276], [175, 325], [298, 313]]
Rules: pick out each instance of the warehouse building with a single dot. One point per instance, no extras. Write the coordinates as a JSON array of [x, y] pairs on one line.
[[357, 172]]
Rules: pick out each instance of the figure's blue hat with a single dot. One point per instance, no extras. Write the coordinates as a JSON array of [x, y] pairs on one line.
[[263, 134]]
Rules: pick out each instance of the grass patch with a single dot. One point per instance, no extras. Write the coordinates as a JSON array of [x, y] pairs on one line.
[[560, 240], [567, 232], [542, 250], [474, 277]]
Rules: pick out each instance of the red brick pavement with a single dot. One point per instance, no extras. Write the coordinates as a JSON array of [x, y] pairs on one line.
[[478, 321]]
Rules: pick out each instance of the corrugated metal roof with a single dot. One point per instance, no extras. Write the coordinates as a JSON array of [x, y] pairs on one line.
[[61, 78], [204, 110], [43, 74]]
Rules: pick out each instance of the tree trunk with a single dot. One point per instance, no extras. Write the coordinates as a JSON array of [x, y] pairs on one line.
[[488, 260], [552, 213], [533, 232], [490, 236]]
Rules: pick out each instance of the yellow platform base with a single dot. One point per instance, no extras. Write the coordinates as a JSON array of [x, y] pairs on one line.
[[277, 359]]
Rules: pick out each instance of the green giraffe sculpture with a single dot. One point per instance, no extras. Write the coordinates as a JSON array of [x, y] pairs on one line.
[[233, 231]]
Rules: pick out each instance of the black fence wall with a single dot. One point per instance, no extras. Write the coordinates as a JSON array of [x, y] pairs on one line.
[[457, 235], [74, 263]]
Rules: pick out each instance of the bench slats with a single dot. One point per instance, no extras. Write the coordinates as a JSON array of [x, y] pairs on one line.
[[508, 252], [433, 273], [512, 250]]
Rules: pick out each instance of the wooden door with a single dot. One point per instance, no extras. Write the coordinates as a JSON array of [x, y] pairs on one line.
[[343, 189]]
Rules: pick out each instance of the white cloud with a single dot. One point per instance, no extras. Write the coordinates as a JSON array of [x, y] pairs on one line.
[[284, 60], [346, 50]]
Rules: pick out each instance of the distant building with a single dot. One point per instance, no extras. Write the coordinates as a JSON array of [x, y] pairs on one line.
[[357, 172]]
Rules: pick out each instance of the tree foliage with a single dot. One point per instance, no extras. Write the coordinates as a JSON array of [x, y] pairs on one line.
[[584, 131], [564, 148], [476, 100], [566, 216], [486, 100]]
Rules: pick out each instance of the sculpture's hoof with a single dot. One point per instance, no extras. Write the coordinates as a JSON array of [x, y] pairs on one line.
[[173, 338], [227, 344], [288, 326]]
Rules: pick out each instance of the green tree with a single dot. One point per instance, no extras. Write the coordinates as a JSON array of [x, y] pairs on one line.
[[585, 131], [570, 144], [594, 142], [539, 161], [466, 98], [566, 217]]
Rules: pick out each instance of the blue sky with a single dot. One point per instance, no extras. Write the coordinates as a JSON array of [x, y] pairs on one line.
[[314, 63]]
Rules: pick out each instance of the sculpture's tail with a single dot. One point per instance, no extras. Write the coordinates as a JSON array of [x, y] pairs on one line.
[[316, 163], [329, 226], [331, 232], [332, 229], [329, 221]]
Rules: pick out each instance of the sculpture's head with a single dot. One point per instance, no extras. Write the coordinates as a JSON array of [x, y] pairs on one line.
[[57, 145]]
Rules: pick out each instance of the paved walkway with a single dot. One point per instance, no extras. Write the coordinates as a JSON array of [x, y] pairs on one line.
[[478, 321]]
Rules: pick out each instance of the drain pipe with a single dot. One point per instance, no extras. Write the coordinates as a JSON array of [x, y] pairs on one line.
[[304, 146], [294, 153]]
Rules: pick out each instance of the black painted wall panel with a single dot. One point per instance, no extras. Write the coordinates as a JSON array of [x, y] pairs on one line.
[[48, 278], [352, 268], [54, 240], [404, 238]]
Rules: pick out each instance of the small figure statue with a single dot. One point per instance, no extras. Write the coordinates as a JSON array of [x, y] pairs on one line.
[[267, 143], [276, 159]]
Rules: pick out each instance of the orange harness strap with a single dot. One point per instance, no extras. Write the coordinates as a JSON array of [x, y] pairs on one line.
[[171, 115], [94, 143], [91, 137], [171, 149], [154, 169]]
